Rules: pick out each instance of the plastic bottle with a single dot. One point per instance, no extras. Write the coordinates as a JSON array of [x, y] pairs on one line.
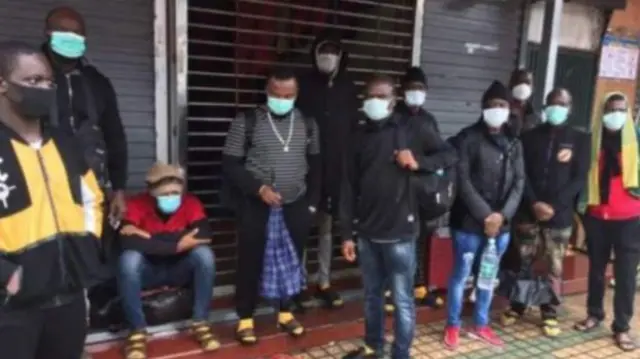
[[489, 265]]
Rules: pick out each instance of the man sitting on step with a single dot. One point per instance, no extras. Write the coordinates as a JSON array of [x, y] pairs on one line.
[[165, 237]]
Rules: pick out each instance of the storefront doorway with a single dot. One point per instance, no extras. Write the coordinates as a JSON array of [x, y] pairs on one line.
[[231, 46]]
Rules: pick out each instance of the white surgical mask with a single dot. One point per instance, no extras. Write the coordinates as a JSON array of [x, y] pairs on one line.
[[614, 121], [376, 109], [495, 117], [522, 92], [327, 63], [415, 97]]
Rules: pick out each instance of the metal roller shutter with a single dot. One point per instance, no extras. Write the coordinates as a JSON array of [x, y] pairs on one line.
[[124, 53], [465, 46], [233, 43]]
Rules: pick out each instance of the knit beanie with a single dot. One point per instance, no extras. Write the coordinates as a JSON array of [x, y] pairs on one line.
[[414, 74], [497, 90]]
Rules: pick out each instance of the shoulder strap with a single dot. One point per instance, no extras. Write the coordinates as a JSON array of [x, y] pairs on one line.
[[308, 125], [89, 98], [250, 118]]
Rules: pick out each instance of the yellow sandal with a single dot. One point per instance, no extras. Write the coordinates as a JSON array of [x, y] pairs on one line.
[[136, 345], [245, 333], [202, 333]]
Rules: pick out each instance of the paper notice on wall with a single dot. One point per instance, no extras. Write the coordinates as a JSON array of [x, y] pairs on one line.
[[619, 58]]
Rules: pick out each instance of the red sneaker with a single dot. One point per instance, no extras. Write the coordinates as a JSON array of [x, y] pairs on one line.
[[451, 337], [487, 335]]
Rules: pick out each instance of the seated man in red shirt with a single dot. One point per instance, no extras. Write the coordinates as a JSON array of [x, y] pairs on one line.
[[165, 237]]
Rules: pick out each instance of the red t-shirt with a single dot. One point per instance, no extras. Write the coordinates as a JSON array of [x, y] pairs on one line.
[[622, 205]]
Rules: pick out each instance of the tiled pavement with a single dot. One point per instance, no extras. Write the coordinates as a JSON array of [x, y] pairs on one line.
[[523, 340]]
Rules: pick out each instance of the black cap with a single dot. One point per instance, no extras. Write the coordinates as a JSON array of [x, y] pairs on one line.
[[497, 90], [414, 74]]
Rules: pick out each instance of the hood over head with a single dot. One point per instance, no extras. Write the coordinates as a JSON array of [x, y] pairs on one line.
[[330, 36], [596, 121]]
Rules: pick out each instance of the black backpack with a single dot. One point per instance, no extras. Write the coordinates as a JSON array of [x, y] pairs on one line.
[[231, 196], [434, 193]]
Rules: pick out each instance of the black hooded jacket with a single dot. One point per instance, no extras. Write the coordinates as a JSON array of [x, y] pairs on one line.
[[332, 101], [74, 108]]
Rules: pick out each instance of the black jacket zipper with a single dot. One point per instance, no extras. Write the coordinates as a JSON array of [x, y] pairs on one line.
[[47, 185]]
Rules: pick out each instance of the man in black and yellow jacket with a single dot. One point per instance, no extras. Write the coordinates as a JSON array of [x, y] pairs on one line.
[[50, 218]]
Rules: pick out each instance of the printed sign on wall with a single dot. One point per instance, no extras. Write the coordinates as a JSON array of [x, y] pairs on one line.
[[619, 58]]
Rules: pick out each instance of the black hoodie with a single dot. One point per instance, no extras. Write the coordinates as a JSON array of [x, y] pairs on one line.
[[332, 101]]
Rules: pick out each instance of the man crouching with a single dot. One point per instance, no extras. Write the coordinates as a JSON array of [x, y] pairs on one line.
[[165, 237]]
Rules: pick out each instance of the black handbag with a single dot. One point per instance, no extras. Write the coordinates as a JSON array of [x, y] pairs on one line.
[[159, 307], [434, 192]]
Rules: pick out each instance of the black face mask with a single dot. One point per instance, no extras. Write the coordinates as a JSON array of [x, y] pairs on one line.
[[32, 103]]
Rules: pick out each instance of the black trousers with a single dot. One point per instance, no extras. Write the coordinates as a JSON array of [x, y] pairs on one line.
[[252, 225], [423, 246], [623, 237], [57, 332]]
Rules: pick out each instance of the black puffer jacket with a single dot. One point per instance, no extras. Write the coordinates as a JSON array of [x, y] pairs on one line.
[[490, 178], [332, 101]]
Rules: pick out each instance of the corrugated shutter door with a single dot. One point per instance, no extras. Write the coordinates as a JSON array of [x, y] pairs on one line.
[[464, 48], [120, 45], [233, 44]]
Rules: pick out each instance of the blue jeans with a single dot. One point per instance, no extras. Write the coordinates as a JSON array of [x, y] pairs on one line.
[[392, 265], [136, 273], [466, 247]]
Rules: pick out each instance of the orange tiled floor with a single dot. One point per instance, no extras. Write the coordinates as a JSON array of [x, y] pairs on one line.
[[524, 340]]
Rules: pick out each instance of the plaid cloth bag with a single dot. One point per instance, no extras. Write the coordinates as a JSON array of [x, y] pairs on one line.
[[282, 273]]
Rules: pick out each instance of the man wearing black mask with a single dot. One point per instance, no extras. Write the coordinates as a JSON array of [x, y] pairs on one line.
[[329, 95], [50, 217], [87, 106]]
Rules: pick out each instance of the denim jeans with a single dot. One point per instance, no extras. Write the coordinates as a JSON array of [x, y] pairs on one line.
[[391, 264], [136, 273], [466, 247]]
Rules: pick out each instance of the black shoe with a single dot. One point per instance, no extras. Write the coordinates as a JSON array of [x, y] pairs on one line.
[[359, 354], [431, 300], [302, 301], [329, 298]]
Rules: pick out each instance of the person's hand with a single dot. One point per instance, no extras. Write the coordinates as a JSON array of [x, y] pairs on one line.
[[493, 224], [405, 159], [349, 250], [543, 211], [118, 205], [14, 283], [131, 230], [269, 196], [189, 241]]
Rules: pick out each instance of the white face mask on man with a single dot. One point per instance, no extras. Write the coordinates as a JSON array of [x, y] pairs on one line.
[[522, 92], [415, 98], [495, 117], [327, 63]]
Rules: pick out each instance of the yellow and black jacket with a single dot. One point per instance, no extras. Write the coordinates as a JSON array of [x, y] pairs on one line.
[[50, 219]]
